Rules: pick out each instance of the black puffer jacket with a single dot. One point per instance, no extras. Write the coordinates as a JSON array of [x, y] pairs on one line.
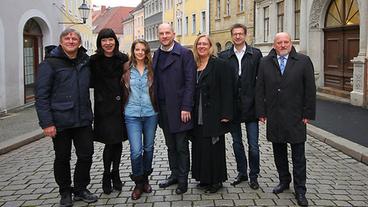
[[62, 90]]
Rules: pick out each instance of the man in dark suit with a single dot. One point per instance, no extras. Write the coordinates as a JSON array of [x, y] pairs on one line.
[[174, 84], [286, 99], [244, 59]]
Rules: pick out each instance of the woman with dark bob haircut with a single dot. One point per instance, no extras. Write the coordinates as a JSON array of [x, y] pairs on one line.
[[107, 69]]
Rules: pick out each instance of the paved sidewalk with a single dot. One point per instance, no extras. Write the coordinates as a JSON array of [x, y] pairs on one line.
[[18, 127], [334, 179]]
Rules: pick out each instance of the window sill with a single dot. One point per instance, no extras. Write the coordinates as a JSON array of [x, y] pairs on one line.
[[227, 17], [240, 13]]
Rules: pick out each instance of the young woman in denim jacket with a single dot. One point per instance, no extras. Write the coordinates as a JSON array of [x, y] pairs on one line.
[[140, 115]]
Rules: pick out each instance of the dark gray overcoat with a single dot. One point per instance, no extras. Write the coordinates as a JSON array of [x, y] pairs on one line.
[[286, 99]]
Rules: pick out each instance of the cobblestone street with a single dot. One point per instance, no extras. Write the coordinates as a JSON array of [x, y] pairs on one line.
[[334, 179]]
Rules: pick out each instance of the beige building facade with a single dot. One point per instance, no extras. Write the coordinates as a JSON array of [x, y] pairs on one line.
[[189, 18], [128, 34], [138, 21], [225, 13]]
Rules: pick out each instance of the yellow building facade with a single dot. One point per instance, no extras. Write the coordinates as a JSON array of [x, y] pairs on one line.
[[189, 18], [168, 11], [225, 13], [71, 14]]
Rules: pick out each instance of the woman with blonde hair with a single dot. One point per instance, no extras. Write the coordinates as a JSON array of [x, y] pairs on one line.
[[212, 112], [140, 115]]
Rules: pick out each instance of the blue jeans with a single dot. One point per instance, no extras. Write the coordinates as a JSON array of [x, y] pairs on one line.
[[141, 154], [253, 149]]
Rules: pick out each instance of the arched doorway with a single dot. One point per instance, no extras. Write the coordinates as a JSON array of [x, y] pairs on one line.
[[218, 47], [228, 45], [341, 43], [32, 56]]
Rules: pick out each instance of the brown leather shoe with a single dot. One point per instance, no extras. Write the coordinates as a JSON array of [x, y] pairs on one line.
[[137, 192], [147, 188]]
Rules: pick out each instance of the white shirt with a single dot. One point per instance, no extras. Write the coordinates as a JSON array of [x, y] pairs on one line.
[[169, 49], [239, 55], [285, 56]]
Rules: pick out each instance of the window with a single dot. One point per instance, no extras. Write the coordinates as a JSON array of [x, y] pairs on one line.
[[342, 13], [227, 8], [70, 6], [203, 24], [156, 32], [194, 24], [297, 20], [218, 46], [266, 23], [186, 25], [241, 5], [280, 16], [169, 3], [228, 45], [218, 9], [179, 25]]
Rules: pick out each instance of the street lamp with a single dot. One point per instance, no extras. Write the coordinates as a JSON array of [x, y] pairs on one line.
[[84, 11]]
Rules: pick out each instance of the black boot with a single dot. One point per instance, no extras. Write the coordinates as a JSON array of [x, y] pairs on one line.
[[116, 182], [106, 183], [66, 199], [139, 185]]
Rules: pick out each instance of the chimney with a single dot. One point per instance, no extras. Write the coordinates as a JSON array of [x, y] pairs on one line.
[[103, 9]]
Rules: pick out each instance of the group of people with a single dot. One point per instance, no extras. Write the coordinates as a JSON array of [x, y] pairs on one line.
[[191, 95]]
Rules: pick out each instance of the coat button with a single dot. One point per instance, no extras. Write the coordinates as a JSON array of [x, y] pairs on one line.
[[278, 90], [117, 98]]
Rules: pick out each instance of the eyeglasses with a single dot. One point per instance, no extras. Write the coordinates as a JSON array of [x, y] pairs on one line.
[[240, 34], [202, 43]]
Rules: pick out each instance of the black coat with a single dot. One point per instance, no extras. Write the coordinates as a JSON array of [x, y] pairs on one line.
[[178, 75], [286, 99], [108, 93], [215, 83], [244, 98], [62, 90]]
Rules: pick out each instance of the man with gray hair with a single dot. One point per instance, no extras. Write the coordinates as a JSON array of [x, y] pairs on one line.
[[64, 111], [286, 100]]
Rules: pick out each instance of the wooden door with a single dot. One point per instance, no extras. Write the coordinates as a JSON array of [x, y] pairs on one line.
[[341, 46], [30, 59]]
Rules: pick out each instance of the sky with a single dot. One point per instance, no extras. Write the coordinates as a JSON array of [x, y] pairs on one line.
[[113, 3]]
